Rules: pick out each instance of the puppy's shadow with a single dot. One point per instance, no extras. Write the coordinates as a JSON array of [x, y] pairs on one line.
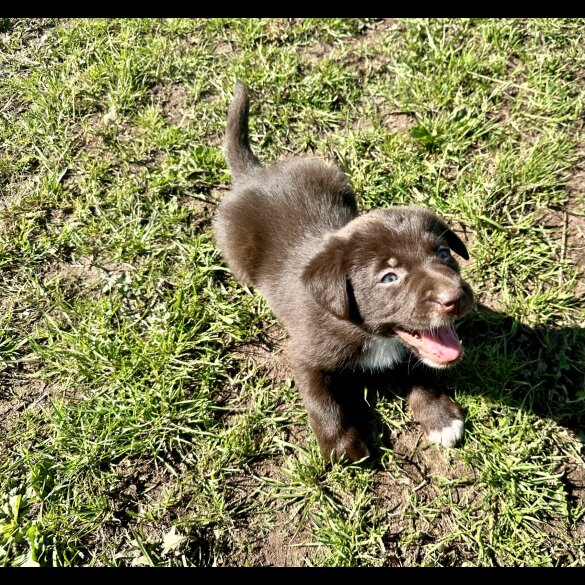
[[538, 369]]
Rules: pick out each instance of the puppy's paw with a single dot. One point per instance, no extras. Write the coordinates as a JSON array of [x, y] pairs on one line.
[[353, 450], [447, 436], [440, 417], [348, 447]]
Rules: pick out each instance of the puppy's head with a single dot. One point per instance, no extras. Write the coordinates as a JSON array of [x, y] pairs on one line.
[[392, 272]]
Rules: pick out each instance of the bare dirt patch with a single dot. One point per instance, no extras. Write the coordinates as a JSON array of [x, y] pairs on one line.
[[268, 352], [137, 506], [274, 363], [420, 465], [71, 274], [19, 394], [422, 474], [574, 218], [372, 34], [173, 101], [222, 48], [284, 549], [398, 122], [282, 542], [203, 205]]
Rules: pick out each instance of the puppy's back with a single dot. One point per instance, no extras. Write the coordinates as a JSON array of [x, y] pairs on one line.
[[261, 223]]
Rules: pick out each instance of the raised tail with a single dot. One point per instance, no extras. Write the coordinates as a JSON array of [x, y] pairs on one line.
[[240, 157]]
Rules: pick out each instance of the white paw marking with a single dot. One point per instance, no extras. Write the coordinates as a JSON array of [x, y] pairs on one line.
[[448, 436]]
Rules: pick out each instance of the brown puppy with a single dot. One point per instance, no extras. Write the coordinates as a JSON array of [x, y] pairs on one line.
[[355, 292]]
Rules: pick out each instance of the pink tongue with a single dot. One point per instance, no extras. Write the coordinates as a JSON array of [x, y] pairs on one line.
[[444, 344]]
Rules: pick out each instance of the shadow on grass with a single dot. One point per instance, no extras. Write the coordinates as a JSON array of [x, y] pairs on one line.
[[538, 369]]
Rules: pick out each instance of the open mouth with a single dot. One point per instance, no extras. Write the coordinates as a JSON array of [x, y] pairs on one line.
[[439, 347]]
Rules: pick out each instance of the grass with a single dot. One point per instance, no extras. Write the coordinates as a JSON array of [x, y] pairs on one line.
[[148, 415]]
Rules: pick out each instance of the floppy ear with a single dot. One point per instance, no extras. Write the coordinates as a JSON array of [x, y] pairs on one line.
[[325, 276], [455, 243]]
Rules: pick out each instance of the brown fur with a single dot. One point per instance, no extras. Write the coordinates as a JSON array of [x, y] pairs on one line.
[[293, 231]]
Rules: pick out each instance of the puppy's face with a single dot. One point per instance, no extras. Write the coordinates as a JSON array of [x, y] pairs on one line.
[[392, 272]]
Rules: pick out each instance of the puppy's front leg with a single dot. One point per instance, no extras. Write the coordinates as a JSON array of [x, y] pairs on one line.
[[440, 416], [336, 411]]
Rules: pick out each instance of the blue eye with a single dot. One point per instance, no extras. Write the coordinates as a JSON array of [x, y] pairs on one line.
[[390, 277], [443, 253]]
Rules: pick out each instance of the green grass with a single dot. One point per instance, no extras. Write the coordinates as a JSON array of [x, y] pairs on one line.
[[148, 416]]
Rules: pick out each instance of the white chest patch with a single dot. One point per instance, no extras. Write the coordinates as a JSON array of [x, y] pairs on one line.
[[381, 353]]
